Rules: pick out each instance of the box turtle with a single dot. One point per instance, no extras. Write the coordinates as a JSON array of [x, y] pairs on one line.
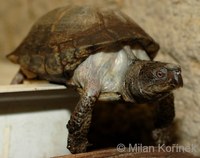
[[101, 52]]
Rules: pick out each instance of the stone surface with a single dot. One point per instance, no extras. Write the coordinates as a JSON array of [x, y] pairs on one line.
[[175, 24]]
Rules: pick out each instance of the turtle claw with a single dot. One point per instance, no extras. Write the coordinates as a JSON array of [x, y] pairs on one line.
[[77, 144]]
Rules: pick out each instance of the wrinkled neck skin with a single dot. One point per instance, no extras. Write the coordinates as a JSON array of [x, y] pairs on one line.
[[131, 89]]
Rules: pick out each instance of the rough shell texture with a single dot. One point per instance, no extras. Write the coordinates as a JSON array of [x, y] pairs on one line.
[[66, 36]]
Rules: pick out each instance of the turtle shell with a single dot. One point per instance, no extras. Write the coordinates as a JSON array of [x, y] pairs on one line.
[[63, 38]]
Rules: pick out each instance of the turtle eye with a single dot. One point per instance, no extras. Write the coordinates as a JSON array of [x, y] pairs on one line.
[[160, 74]]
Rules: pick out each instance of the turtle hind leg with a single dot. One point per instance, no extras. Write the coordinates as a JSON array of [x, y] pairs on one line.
[[21, 75], [18, 78]]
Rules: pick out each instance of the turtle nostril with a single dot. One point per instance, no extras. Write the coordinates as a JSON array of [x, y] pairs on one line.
[[178, 71]]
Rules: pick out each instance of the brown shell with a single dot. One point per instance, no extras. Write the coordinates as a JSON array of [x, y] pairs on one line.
[[60, 40]]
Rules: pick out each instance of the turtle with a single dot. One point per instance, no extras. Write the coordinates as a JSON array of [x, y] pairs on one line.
[[100, 52]]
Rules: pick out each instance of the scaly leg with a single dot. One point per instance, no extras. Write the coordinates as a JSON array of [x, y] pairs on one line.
[[79, 124], [18, 78], [165, 114], [21, 75]]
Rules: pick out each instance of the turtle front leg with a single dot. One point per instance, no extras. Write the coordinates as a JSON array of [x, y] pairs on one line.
[[165, 113], [79, 124]]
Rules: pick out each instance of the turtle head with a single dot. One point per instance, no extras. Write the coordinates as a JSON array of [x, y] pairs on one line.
[[157, 78], [150, 80]]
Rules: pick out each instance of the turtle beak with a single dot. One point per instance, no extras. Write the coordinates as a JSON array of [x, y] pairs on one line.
[[174, 75], [178, 78]]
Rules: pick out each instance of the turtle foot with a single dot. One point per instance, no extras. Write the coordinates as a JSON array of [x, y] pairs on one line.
[[77, 143]]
